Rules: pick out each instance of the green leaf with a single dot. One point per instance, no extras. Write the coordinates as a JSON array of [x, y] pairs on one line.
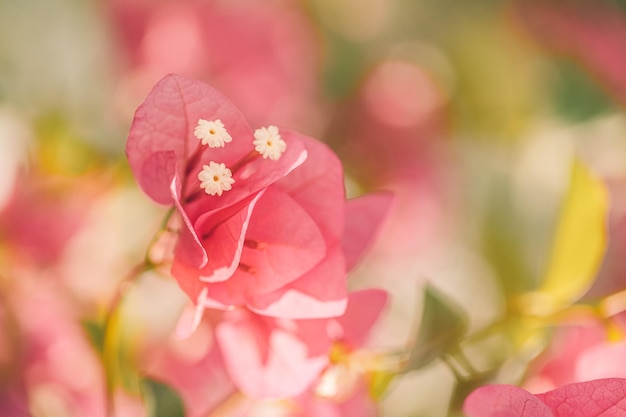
[[578, 247], [502, 244], [95, 334], [161, 400], [576, 96], [442, 326]]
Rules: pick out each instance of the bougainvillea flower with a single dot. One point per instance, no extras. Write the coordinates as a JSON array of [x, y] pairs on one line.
[[270, 235], [600, 397], [278, 358]]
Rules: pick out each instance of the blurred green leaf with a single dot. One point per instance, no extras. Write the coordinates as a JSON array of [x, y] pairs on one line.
[[578, 246], [95, 334], [342, 73], [501, 241], [161, 400], [621, 4], [442, 326], [576, 96]]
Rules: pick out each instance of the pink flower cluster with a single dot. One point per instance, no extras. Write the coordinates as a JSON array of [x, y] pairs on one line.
[[266, 234]]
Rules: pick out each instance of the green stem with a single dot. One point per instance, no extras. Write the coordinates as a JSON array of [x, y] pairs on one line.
[[447, 360], [462, 360], [109, 350], [109, 353], [162, 229]]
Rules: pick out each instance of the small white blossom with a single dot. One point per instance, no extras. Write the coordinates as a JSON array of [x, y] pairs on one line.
[[215, 178], [212, 133], [267, 142]]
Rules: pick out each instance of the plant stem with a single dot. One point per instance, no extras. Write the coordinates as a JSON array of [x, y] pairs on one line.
[[109, 351]]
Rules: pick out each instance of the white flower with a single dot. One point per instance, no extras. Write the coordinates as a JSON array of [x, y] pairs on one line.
[[212, 133], [267, 142], [215, 178]]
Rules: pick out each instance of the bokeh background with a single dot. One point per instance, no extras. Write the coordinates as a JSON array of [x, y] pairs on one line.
[[473, 113]]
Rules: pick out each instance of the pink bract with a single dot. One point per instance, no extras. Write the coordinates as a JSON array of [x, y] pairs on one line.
[[161, 145], [601, 397], [275, 243], [279, 358]]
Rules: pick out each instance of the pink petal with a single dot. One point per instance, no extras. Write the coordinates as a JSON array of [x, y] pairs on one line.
[[364, 308], [292, 238], [504, 401], [191, 316], [320, 293], [267, 358], [225, 240], [318, 185], [359, 404], [188, 244], [157, 169], [364, 216], [293, 245], [165, 122], [601, 397]]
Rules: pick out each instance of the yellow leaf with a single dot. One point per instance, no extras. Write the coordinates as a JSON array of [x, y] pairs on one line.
[[379, 382], [578, 247]]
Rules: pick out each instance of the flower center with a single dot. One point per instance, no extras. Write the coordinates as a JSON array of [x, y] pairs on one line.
[[216, 178], [268, 143], [212, 133]]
